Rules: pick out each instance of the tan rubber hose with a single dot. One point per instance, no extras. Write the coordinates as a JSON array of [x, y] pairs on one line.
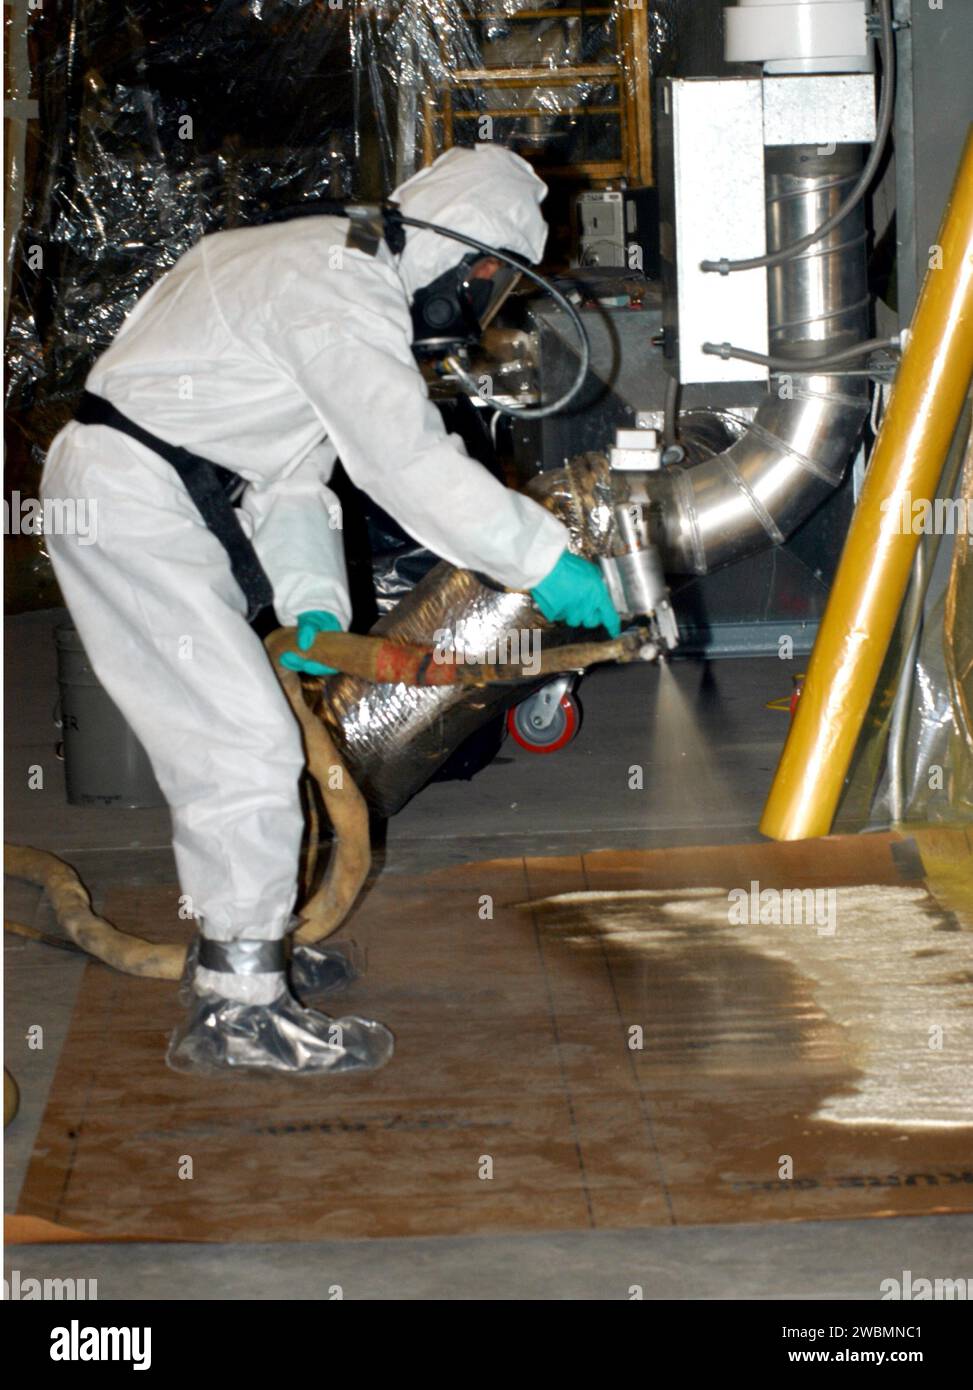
[[72, 907], [351, 855], [386, 662]]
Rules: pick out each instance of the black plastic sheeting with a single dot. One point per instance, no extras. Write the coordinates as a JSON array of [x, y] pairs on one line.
[[687, 39], [160, 121]]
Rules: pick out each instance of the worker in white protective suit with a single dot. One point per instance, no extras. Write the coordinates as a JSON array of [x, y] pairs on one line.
[[270, 351]]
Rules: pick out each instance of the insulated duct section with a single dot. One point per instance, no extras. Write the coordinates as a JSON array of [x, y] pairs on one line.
[[795, 452], [394, 738]]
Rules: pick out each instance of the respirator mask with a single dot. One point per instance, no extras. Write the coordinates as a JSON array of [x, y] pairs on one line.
[[451, 313]]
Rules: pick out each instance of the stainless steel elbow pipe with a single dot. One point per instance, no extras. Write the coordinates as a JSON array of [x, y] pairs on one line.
[[756, 492]]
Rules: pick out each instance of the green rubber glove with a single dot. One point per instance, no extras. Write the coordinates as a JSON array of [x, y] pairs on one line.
[[575, 593], [308, 626]]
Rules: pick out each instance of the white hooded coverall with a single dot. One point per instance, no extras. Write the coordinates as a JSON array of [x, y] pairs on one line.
[[272, 351]]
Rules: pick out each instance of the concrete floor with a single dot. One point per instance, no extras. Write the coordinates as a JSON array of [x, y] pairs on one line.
[[578, 799]]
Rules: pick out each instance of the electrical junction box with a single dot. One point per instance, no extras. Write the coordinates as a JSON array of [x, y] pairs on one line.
[[601, 227], [618, 227]]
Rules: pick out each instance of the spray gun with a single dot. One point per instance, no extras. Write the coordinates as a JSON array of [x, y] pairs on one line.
[[633, 572]]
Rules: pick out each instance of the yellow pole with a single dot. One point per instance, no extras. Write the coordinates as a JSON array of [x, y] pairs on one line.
[[873, 575]]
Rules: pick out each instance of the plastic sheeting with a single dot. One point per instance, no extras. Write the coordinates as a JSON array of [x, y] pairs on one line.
[[157, 123], [154, 123], [933, 772], [521, 72], [914, 761]]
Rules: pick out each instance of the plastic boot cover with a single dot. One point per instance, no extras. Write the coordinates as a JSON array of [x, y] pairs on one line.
[[316, 970], [223, 1034]]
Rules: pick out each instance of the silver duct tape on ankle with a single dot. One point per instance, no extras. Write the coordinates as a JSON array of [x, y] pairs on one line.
[[242, 957]]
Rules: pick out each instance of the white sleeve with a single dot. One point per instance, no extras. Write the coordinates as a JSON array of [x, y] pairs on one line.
[[295, 526], [371, 398]]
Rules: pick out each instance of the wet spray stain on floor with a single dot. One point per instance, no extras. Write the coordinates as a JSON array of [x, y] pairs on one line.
[[581, 1042], [885, 963]]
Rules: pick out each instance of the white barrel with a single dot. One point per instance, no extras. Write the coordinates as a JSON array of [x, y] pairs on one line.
[[799, 36]]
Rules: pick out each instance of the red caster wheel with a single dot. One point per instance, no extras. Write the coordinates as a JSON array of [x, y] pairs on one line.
[[525, 723]]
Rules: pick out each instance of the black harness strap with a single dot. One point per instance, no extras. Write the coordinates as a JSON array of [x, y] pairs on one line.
[[209, 485]]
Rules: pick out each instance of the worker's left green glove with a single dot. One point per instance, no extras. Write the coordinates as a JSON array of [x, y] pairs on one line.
[[308, 626], [575, 593]]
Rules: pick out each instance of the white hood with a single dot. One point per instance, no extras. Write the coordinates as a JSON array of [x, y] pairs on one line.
[[488, 192]]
